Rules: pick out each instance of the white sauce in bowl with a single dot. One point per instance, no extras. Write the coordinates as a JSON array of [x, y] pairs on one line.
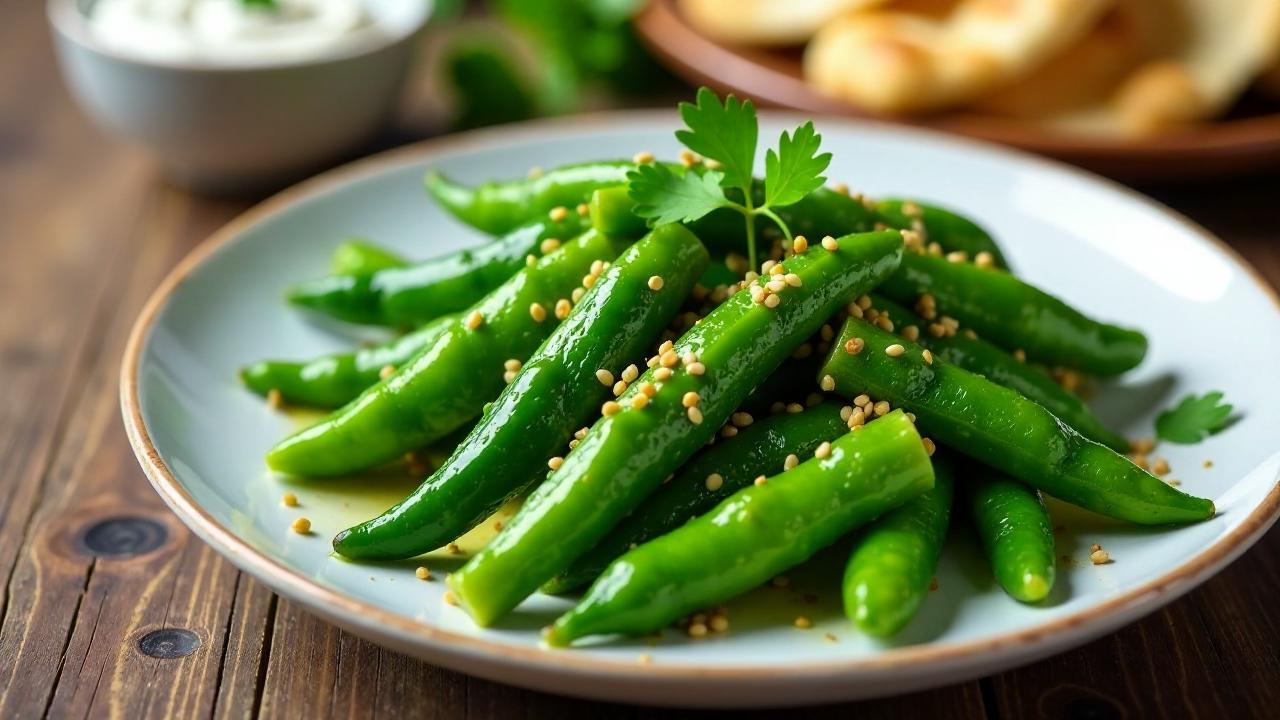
[[229, 31]]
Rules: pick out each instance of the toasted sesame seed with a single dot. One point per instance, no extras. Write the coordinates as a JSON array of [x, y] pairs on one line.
[[828, 383], [714, 481], [911, 332], [387, 371], [422, 573], [853, 346], [581, 432], [509, 376], [718, 623], [588, 281], [555, 462], [767, 266], [655, 282], [610, 408], [842, 188], [535, 172], [562, 308], [794, 408], [630, 373], [690, 399], [688, 158], [894, 350], [791, 461], [778, 269], [958, 256], [577, 294], [696, 368], [1099, 557], [697, 629], [772, 301], [639, 401], [793, 280], [695, 415], [803, 622], [619, 387], [984, 260], [549, 245], [1160, 467], [648, 388], [1020, 355], [537, 312], [669, 359], [760, 480], [302, 526], [845, 413], [776, 285], [665, 346], [449, 598], [881, 408], [829, 243], [758, 294], [728, 431], [289, 500], [929, 446], [912, 239], [823, 451], [530, 260], [662, 373], [928, 357], [799, 244], [453, 548], [741, 419], [605, 377], [642, 157], [474, 320], [857, 418], [558, 213], [861, 400], [512, 364], [275, 399], [864, 302]]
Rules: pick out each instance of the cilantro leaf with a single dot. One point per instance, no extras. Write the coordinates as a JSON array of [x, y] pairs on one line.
[[1194, 419], [662, 196], [726, 134], [796, 169]]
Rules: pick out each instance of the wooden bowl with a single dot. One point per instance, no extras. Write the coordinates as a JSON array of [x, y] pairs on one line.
[[1248, 140]]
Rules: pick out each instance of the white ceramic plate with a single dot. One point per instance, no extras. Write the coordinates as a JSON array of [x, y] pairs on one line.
[[1213, 325]]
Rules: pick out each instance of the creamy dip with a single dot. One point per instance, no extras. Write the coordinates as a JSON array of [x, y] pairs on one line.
[[229, 31]]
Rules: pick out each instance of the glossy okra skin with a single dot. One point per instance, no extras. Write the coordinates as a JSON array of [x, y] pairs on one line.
[[761, 447], [893, 561], [627, 453], [358, 257], [449, 381], [500, 207], [1014, 315], [1000, 427], [1015, 529], [334, 380], [554, 393], [949, 229], [414, 294], [755, 534], [979, 356]]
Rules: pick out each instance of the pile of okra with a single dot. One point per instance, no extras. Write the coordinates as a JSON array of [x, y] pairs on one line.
[[687, 426]]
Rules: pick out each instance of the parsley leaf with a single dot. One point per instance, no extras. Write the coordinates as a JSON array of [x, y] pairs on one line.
[[662, 196], [726, 134], [1194, 419], [796, 169]]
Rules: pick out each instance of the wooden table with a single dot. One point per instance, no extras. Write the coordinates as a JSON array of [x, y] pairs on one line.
[[110, 607]]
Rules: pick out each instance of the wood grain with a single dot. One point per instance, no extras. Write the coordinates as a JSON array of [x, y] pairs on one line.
[[87, 229]]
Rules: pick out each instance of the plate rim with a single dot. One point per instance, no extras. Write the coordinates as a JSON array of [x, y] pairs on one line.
[[391, 628]]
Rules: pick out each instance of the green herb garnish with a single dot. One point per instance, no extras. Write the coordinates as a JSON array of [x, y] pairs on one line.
[[261, 4], [1194, 418], [727, 134]]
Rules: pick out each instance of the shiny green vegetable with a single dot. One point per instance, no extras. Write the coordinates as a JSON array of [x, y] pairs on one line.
[[334, 380], [358, 257], [446, 383], [1015, 315], [755, 534], [1004, 429], [950, 230], [1016, 532], [893, 562], [411, 295], [710, 476], [979, 356], [631, 449], [500, 207], [554, 393]]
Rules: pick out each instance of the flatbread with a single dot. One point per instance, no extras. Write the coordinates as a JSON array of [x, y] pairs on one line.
[[765, 22]]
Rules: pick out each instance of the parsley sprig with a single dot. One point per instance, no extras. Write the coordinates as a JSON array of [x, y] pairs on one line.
[[727, 134], [1194, 418]]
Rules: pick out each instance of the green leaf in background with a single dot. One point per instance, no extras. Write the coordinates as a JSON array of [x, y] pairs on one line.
[[1194, 418], [263, 4], [724, 133], [796, 169], [487, 88], [662, 196]]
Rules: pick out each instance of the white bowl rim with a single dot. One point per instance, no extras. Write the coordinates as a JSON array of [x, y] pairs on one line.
[[70, 22], [389, 628]]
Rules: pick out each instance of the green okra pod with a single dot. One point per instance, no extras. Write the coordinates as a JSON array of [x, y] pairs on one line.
[[755, 534], [758, 446], [892, 564], [1016, 532], [700, 381], [554, 392], [449, 381], [952, 231], [360, 257], [1002, 428]]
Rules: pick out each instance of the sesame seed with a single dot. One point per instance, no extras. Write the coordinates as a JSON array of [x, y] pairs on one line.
[[645, 659], [422, 573], [449, 599], [984, 260], [639, 401], [535, 172], [864, 302], [275, 399], [558, 213], [555, 462], [690, 399], [669, 359], [643, 157], [842, 188], [778, 269], [928, 357], [610, 408], [857, 418], [662, 373], [689, 358], [823, 451], [760, 480], [387, 371], [728, 431], [776, 285], [861, 400], [605, 377], [791, 461], [648, 388], [655, 282], [911, 332], [697, 629], [829, 243], [549, 245], [1143, 445], [588, 281], [619, 387], [803, 623], [758, 294], [597, 267], [853, 346], [512, 364], [289, 500], [474, 320], [772, 301], [530, 260], [577, 294], [509, 376], [719, 623], [929, 446], [1099, 557], [695, 415], [794, 408], [453, 548], [767, 266], [894, 350], [714, 481], [845, 413], [665, 346], [881, 408], [958, 256], [581, 432], [688, 158], [1020, 355], [537, 312], [1160, 467], [741, 419], [695, 368], [302, 526], [712, 164], [828, 383], [562, 308]]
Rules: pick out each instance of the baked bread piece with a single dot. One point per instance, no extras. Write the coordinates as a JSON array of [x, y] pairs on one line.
[[765, 22]]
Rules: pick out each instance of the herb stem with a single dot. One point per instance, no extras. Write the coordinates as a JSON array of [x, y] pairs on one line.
[[786, 231], [750, 214]]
